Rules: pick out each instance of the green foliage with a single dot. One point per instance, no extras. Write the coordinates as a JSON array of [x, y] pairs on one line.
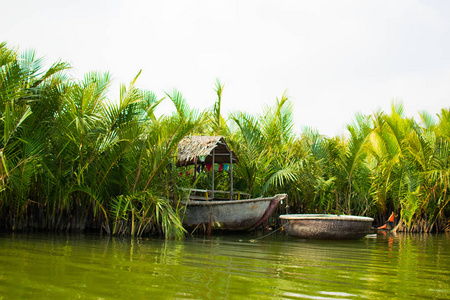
[[66, 151], [145, 211], [78, 160]]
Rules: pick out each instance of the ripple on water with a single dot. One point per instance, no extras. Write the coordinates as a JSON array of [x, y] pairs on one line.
[[224, 267]]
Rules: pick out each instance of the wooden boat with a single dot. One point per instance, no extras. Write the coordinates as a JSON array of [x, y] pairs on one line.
[[244, 214], [316, 226], [208, 209]]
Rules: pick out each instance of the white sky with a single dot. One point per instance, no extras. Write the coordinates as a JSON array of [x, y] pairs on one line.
[[334, 58]]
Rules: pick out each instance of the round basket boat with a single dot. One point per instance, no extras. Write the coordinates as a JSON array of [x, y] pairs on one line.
[[315, 226]]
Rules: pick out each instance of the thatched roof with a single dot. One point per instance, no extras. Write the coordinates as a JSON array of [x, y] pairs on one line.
[[191, 148]]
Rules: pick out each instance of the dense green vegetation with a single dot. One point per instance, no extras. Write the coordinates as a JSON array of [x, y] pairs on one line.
[[71, 159]]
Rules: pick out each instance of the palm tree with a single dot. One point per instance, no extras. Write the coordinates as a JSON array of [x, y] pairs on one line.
[[27, 96], [151, 175], [253, 158], [351, 169], [217, 124], [264, 147]]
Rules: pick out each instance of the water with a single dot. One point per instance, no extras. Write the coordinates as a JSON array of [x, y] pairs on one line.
[[38, 266]]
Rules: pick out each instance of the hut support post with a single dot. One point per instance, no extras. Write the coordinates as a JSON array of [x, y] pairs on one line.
[[212, 170], [231, 176]]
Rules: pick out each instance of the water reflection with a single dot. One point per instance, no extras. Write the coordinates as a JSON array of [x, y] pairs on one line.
[[225, 267]]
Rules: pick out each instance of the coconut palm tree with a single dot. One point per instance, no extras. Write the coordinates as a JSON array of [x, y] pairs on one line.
[[151, 163], [217, 125], [264, 147], [27, 96]]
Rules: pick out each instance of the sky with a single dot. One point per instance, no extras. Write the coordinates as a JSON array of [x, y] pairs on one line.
[[333, 58]]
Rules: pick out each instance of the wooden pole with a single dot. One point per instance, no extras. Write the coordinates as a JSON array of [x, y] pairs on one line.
[[231, 175], [195, 171], [212, 169]]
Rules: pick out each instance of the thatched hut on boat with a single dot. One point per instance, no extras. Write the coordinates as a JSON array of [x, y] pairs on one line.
[[220, 213], [206, 150]]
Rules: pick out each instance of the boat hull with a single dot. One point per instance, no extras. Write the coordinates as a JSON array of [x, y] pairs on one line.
[[230, 215], [336, 227]]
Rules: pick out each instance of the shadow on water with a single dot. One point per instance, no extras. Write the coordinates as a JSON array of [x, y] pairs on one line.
[[224, 267]]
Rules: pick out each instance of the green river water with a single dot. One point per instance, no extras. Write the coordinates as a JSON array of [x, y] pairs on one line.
[[90, 266]]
